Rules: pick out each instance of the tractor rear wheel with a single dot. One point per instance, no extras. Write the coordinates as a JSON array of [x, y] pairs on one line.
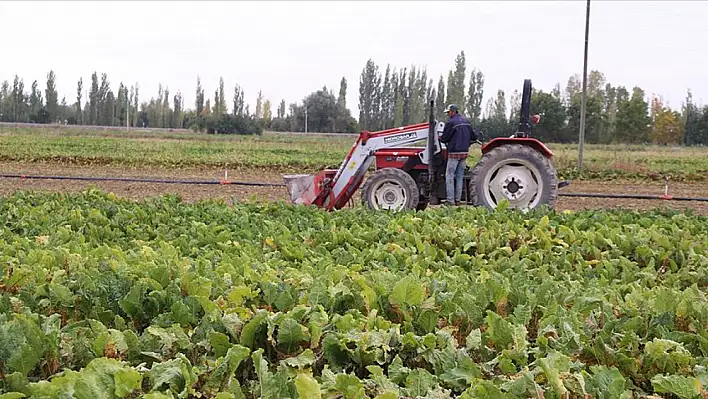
[[390, 189], [516, 173]]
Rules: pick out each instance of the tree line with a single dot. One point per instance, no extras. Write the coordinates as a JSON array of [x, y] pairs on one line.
[[388, 98], [98, 105], [614, 114]]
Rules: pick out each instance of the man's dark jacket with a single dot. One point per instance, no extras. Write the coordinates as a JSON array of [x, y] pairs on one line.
[[458, 134]]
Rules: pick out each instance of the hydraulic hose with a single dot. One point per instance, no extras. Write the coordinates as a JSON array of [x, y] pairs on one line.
[[138, 180]]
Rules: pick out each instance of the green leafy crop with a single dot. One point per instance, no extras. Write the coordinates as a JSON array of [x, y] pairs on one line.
[[107, 298]]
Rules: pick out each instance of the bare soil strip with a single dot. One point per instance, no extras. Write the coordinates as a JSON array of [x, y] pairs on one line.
[[228, 193]]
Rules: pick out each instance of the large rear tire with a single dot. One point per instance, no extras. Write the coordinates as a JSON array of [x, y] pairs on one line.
[[516, 173], [390, 189]]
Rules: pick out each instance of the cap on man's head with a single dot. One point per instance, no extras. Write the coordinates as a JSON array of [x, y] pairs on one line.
[[451, 107]]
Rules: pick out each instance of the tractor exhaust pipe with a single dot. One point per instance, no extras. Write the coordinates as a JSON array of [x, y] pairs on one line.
[[525, 118], [431, 145]]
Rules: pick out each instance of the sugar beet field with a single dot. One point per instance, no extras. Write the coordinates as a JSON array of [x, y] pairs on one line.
[[126, 290]]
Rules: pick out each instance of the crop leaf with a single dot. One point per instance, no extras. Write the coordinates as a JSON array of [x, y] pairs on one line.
[[679, 385], [307, 386], [408, 291]]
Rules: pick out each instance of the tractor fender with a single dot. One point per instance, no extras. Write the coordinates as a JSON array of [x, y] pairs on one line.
[[529, 141]]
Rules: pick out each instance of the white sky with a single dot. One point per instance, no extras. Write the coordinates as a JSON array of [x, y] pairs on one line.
[[289, 49]]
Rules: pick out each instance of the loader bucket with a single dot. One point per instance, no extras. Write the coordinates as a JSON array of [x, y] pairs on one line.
[[302, 188], [309, 189]]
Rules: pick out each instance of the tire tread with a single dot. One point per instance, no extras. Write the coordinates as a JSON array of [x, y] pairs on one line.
[[405, 179], [510, 151]]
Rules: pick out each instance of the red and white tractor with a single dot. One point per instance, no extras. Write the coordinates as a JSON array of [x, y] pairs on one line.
[[516, 168]]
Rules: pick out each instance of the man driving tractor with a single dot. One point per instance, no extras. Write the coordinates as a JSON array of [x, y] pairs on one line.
[[458, 136]]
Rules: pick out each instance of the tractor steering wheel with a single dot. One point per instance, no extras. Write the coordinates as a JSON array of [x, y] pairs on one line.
[[480, 136]]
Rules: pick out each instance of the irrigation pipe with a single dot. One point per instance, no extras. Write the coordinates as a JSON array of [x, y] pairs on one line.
[[633, 196], [137, 180]]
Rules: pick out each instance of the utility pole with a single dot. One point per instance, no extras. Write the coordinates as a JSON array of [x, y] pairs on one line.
[[583, 103], [305, 117]]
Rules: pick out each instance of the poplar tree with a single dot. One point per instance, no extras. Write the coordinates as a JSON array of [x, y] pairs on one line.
[[79, 93], [456, 83], [440, 99], [388, 95], [52, 97], [239, 101], [474, 96], [369, 96]]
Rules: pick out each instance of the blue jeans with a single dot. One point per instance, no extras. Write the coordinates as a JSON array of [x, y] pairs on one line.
[[453, 179]]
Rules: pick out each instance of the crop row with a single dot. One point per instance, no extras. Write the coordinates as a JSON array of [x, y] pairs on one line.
[[307, 153], [103, 297]]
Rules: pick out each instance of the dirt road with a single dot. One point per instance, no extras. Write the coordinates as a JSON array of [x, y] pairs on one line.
[[190, 193]]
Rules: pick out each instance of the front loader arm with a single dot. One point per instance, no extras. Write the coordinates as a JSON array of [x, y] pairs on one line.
[[352, 170]]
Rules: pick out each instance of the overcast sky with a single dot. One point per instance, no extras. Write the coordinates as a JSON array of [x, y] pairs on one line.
[[289, 49]]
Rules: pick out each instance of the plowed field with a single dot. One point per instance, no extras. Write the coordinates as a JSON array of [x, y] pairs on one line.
[[196, 192]]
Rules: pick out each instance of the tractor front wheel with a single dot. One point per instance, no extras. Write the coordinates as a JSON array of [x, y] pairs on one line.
[[516, 173], [390, 189]]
